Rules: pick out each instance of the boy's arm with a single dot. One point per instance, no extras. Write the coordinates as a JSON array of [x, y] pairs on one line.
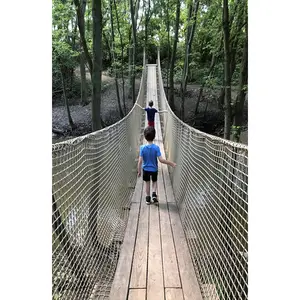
[[140, 106], [140, 165], [162, 111], [167, 162]]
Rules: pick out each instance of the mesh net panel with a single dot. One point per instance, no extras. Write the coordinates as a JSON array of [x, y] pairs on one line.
[[210, 186], [93, 180]]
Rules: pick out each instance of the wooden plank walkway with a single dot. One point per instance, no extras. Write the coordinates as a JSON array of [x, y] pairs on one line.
[[155, 262]]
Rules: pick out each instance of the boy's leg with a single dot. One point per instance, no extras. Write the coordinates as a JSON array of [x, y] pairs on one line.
[[147, 188], [154, 187], [148, 198], [146, 178]]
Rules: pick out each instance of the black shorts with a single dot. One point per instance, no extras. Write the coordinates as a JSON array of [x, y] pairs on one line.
[[147, 174]]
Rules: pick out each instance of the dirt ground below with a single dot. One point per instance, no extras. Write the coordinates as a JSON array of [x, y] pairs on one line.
[[82, 115], [209, 118]]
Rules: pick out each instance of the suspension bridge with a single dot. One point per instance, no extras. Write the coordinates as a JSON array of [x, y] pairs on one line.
[[108, 244]]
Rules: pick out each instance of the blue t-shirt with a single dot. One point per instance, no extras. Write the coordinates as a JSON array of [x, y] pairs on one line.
[[150, 113], [150, 153]]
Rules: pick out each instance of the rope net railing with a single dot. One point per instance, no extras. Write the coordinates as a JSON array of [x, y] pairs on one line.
[[93, 180], [210, 185]]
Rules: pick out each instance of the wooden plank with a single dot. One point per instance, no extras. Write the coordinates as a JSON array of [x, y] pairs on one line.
[[173, 294], [171, 272], [139, 265], [155, 283], [120, 283], [136, 197], [170, 267], [190, 286], [168, 185], [137, 294], [155, 288]]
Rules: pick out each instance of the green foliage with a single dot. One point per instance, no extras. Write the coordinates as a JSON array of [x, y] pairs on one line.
[[207, 43], [65, 55]]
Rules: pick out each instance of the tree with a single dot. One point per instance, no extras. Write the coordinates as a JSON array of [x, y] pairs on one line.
[[63, 60], [133, 15], [227, 71], [97, 65], [243, 81], [122, 56], [173, 57], [82, 59], [113, 58], [192, 18], [80, 17]]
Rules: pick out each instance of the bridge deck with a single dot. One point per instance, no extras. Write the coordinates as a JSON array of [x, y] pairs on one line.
[[155, 262]]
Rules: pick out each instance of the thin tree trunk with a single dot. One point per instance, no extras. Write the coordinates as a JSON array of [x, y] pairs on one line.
[[146, 26], [108, 47], [211, 68], [199, 100], [71, 123], [113, 57], [73, 47], [82, 63], [227, 77], [133, 26], [83, 80], [189, 41], [97, 65], [82, 35], [169, 49], [122, 57], [205, 110], [173, 57], [233, 42], [239, 105]]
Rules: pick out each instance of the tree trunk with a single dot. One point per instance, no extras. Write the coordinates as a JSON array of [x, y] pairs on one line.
[[108, 47], [97, 65], [83, 80], [82, 63], [211, 68], [239, 105], [227, 77], [233, 43], [133, 26], [74, 33], [80, 17], [113, 57], [189, 41], [122, 57], [71, 123], [169, 49], [199, 100], [173, 57], [147, 18]]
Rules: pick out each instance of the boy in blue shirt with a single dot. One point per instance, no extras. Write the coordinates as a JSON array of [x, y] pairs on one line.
[[149, 154], [151, 111]]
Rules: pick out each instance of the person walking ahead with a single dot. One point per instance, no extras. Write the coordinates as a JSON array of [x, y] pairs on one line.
[[149, 154], [151, 111]]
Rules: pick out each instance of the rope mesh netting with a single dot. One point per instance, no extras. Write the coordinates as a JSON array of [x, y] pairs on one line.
[[210, 185], [93, 180]]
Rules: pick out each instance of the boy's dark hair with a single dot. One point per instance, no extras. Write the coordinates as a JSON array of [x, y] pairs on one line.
[[149, 133], [150, 103]]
